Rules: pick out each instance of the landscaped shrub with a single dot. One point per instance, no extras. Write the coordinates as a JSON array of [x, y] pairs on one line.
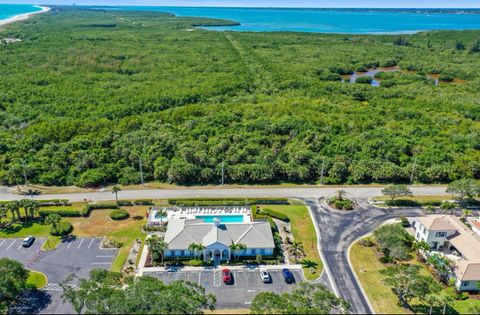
[[341, 204], [275, 214], [143, 202], [125, 203], [63, 228], [195, 263], [112, 244], [60, 212], [402, 203], [53, 202], [119, 214]]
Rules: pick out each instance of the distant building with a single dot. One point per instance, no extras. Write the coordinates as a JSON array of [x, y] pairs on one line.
[[217, 236], [448, 235]]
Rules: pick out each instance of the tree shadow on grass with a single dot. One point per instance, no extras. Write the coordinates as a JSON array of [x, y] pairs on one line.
[[31, 302], [19, 225], [425, 309], [137, 217]]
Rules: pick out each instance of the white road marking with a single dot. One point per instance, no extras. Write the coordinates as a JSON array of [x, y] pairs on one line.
[[91, 242], [234, 278], [3, 242], [105, 256], [248, 303], [250, 291], [19, 246], [11, 245], [81, 241], [199, 275]]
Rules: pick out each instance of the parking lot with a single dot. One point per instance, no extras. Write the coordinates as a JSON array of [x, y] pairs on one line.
[[73, 256], [239, 294]]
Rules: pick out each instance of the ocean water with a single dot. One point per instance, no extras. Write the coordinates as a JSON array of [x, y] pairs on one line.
[[325, 21], [10, 10]]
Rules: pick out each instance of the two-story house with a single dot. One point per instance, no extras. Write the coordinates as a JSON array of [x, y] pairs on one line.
[[447, 233]]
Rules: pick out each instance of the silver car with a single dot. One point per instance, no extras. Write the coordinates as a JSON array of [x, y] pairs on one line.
[[264, 275]]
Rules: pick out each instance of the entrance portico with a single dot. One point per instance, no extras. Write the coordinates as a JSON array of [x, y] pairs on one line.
[[217, 252]]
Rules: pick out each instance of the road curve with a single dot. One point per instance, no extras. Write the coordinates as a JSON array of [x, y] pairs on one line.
[[354, 192], [338, 230]]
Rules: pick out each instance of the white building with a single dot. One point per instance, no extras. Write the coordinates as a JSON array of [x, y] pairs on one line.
[[217, 237], [461, 245]]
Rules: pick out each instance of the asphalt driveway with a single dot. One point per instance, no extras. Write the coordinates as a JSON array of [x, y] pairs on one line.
[[338, 230]]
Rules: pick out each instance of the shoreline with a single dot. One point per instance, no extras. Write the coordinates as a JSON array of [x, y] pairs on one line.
[[24, 16]]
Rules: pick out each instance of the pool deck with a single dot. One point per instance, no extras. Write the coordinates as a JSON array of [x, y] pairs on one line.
[[196, 212]]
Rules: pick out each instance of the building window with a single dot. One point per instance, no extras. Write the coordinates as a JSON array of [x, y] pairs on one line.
[[182, 252], [465, 283], [440, 234]]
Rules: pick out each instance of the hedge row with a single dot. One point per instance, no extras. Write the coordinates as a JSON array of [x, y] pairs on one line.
[[54, 202], [63, 228], [227, 202], [119, 214], [60, 212], [96, 206], [275, 214], [143, 202]]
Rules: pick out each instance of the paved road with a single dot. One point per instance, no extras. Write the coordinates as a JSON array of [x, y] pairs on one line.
[[353, 191], [338, 230], [246, 284]]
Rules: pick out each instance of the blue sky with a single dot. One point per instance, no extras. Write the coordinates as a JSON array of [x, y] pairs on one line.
[[272, 3]]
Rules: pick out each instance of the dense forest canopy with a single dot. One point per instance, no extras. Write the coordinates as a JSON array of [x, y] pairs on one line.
[[91, 97]]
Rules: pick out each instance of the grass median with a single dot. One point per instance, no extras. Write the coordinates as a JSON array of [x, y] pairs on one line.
[[36, 279], [303, 231]]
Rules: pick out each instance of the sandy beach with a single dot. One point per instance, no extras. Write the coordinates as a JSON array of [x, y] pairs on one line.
[[22, 17]]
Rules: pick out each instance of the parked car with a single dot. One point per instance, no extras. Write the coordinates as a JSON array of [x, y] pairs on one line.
[[288, 275], [28, 241], [264, 275], [227, 276]]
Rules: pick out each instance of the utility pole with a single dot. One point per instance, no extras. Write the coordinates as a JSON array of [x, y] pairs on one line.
[[413, 170], [24, 172], [223, 172], [321, 173]]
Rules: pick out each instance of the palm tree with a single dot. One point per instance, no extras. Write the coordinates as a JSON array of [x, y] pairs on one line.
[[30, 206], [236, 248], [445, 299], [310, 264], [53, 219], [157, 246], [296, 248], [340, 194], [466, 213], [14, 208], [115, 190], [432, 300], [196, 249]]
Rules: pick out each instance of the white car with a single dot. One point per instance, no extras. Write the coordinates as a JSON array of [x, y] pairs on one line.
[[264, 275]]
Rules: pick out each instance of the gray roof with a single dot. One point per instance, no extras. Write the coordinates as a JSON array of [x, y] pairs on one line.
[[181, 233]]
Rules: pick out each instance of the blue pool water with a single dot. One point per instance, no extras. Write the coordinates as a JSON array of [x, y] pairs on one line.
[[10, 10], [325, 21], [223, 218]]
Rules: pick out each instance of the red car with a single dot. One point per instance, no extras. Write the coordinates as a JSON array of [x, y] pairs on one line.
[[227, 276]]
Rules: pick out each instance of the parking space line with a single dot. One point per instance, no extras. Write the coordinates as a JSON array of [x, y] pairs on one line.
[[105, 256], [11, 245], [199, 275], [3, 242], [91, 242], [19, 246], [234, 278], [81, 241], [69, 244]]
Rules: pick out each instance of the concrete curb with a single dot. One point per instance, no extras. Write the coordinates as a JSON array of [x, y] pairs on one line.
[[319, 248], [353, 270]]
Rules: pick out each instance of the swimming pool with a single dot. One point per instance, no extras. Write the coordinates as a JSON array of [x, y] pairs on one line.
[[223, 218]]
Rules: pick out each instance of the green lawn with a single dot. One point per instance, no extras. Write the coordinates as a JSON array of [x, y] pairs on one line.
[[381, 297], [303, 231], [25, 229], [36, 279], [51, 243]]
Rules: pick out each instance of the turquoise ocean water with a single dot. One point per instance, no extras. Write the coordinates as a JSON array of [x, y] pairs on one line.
[[326, 21], [10, 10]]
